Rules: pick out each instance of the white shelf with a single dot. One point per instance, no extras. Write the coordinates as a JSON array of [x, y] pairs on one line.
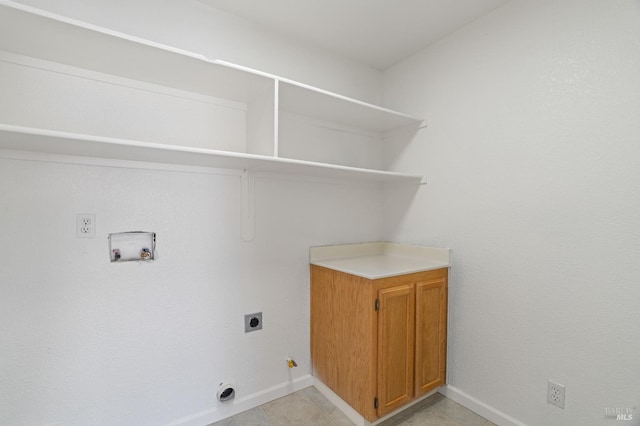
[[58, 39], [54, 142], [305, 100], [31, 32], [49, 38]]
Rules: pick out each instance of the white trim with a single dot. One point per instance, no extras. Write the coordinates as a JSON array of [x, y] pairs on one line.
[[352, 414], [485, 410], [231, 408], [346, 409]]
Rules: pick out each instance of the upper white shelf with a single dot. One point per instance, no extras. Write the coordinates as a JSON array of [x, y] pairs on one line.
[[36, 33], [55, 142], [32, 32], [51, 38]]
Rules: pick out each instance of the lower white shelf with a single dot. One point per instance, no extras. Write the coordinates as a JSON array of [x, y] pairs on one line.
[[56, 142]]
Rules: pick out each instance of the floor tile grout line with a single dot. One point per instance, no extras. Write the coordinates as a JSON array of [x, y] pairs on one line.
[[451, 418], [438, 406], [267, 415], [459, 406], [326, 414]]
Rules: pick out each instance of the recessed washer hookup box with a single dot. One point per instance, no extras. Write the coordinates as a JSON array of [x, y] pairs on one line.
[[132, 246]]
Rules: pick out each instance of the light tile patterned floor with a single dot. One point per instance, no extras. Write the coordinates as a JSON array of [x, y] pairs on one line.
[[309, 407]]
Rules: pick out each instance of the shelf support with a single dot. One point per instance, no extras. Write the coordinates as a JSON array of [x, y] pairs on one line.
[[276, 118], [248, 216]]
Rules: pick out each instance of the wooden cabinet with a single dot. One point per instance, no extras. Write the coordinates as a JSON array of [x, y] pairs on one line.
[[379, 343], [431, 334], [396, 343]]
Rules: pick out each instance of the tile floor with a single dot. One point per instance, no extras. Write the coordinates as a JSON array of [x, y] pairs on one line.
[[309, 407]]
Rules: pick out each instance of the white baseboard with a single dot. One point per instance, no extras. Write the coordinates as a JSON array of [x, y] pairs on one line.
[[352, 414], [231, 408], [479, 407]]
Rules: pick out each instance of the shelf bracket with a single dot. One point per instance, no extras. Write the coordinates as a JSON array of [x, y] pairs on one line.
[[248, 216], [423, 124]]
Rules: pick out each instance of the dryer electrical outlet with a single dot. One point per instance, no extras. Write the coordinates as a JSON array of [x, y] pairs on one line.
[[253, 322]]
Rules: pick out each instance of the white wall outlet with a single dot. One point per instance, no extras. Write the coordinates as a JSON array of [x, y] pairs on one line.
[[86, 225], [555, 394]]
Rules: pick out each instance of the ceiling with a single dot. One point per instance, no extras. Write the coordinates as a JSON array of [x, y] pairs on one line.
[[378, 33]]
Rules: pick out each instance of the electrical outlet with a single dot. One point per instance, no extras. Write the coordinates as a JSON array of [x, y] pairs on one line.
[[555, 394], [86, 225], [253, 322]]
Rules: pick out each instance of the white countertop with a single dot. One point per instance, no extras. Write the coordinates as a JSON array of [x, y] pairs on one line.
[[379, 260]]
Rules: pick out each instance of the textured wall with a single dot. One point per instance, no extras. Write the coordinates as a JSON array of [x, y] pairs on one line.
[[194, 26], [86, 342], [533, 156]]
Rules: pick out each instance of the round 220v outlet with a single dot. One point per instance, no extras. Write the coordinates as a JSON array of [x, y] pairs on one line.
[[253, 322]]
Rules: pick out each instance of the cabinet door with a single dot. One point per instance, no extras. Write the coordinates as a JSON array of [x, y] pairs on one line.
[[431, 335], [396, 324]]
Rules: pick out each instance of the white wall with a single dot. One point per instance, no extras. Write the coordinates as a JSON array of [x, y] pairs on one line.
[[194, 26], [533, 156], [84, 341]]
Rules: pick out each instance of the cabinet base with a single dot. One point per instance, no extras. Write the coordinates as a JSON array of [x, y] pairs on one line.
[[352, 414]]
